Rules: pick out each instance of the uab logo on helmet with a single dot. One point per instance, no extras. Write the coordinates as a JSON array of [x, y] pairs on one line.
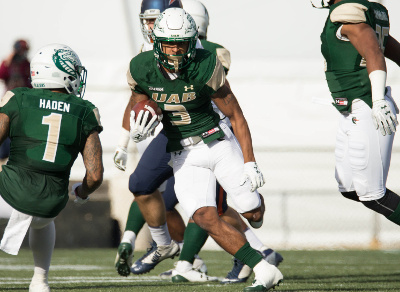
[[65, 60]]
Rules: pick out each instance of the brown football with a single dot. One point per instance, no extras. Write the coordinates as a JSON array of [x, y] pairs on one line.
[[147, 105]]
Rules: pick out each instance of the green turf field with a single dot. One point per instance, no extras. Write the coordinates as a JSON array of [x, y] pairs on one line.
[[93, 270]]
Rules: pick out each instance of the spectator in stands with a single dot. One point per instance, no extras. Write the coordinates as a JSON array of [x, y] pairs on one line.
[[14, 71]]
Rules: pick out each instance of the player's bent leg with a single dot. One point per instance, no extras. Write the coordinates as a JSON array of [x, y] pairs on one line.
[[176, 226], [388, 206], [256, 217]]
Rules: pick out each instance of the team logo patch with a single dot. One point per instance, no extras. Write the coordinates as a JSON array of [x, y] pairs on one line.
[[210, 132], [191, 87], [65, 60], [341, 101], [354, 120]]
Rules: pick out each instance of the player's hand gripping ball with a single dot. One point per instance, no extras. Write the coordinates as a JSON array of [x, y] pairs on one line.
[[145, 117]]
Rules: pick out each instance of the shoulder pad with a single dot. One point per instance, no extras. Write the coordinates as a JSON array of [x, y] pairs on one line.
[[217, 79], [224, 57], [349, 13], [97, 115], [6, 98]]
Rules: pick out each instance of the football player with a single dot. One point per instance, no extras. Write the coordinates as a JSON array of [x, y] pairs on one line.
[[355, 42], [49, 125], [183, 80], [240, 272]]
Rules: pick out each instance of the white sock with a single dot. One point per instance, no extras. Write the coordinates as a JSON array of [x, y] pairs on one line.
[[253, 240], [129, 237], [42, 243], [180, 245], [183, 266], [160, 234]]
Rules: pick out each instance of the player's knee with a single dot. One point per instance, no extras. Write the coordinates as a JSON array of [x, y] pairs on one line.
[[139, 186], [206, 217], [351, 196], [39, 222]]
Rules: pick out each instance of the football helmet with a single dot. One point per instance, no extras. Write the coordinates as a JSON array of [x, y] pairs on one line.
[[324, 3], [199, 13], [151, 9], [174, 25], [58, 66]]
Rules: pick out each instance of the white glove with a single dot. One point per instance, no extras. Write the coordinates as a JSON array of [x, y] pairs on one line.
[[383, 117], [253, 173], [78, 200], [120, 158], [139, 129]]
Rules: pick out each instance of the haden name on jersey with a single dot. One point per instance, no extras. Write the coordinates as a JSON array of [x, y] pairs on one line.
[[54, 105]]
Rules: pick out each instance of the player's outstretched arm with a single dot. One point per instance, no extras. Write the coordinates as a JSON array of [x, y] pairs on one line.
[[226, 101], [93, 160], [229, 106], [392, 50], [4, 127]]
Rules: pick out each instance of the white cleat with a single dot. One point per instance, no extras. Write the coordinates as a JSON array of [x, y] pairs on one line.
[[199, 265], [268, 277], [39, 285], [192, 276]]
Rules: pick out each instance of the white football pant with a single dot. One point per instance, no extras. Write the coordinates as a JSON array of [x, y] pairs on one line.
[[197, 167], [362, 153]]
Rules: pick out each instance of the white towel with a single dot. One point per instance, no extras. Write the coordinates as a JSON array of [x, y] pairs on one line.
[[15, 232]]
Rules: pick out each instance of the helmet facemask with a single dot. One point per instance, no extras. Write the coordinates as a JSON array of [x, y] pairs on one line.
[[178, 61]]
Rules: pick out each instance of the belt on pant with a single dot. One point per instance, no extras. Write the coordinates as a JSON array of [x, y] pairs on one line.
[[191, 141]]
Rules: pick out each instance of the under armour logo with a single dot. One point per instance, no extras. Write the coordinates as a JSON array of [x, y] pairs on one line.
[[189, 87]]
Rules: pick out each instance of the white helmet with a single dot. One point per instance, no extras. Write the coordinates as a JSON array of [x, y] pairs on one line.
[[199, 13], [58, 66], [174, 25]]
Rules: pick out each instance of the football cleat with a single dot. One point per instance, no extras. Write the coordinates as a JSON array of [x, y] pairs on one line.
[[153, 256], [270, 278], [191, 276], [272, 257], [239, 273], [39, 284], [123, 261], [199, 265]]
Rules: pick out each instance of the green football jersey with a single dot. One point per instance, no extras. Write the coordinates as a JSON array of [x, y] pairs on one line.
[[223, 54], [47, 132], [346, 71], [186, 100]]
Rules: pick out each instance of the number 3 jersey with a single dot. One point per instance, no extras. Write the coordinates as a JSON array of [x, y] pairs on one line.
[[47, 131], [186, 100], [346, 71]]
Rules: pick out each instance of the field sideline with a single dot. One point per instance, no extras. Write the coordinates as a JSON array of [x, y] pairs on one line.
[[93, 270]]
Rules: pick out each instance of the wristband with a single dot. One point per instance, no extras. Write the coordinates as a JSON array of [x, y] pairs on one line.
[[123, 138], [378, 84]]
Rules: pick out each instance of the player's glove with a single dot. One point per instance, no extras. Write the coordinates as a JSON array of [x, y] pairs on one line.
[[252, 173], [120, 158], [78, 200], [383, 117], [140, 130]]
